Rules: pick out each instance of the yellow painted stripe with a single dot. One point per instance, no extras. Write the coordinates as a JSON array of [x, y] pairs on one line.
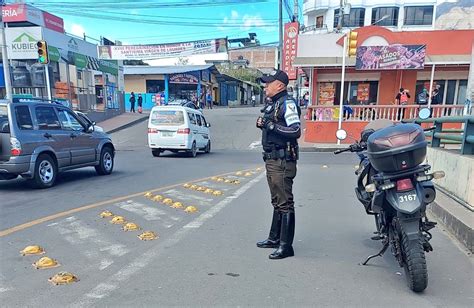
[[94, 205]]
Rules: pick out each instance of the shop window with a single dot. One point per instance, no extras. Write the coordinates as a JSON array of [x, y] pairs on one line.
[[354, 19], [418, 15], [381, 12], [319, 22], [363, 92], [462, 92], [425, 84], [155, 86], [450, 92]]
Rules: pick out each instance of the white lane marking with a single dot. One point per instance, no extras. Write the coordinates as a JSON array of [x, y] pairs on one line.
[[190, 197], [77, 233], [149, 213], [255, 145], [105, 289]]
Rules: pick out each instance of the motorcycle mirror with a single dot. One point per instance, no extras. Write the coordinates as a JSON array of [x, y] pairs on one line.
[[341, 134], [424, 113]]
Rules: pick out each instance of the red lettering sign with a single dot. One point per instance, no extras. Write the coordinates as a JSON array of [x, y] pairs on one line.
[[14, 12], [53, 22], [290, 48]]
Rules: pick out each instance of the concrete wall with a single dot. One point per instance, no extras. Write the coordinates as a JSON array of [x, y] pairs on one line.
[[459, 171]]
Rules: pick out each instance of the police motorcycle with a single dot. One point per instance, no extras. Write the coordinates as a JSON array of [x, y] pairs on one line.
[[395, 187]]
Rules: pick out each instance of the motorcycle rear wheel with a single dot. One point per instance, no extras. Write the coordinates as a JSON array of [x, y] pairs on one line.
[[414, 263]]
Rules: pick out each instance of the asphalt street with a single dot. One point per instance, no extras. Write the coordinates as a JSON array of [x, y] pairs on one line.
[[209, 258]]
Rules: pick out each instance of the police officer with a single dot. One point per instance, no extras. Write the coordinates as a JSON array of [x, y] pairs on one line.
[[281, 127]]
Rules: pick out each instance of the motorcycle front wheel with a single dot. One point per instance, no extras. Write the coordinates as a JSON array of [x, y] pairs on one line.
[[414, 263]]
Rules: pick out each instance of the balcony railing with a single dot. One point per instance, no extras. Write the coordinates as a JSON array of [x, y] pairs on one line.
[[367, 113]]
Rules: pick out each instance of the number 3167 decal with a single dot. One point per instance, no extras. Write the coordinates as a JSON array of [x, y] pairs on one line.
[[406, 198]]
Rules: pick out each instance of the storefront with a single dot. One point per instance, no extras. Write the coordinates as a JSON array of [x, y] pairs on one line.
[[386, 61], [171, 83]]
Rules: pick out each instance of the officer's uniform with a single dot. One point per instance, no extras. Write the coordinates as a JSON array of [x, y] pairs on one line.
[[280, 132]]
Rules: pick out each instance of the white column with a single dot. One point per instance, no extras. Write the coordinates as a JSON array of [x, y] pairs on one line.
[[341, 96], [431, 85]]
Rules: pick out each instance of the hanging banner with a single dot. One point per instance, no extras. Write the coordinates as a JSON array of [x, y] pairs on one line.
[[363, 91], [327, 91], [184, 78], [390, 57], [290, 45], [147, 52]]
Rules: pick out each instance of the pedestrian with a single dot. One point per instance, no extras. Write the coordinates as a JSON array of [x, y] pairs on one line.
[[281, 128], [436, 96], [140, 103], [253, 100], [209, 100], [402, 100], [306, 99], [132, 102]]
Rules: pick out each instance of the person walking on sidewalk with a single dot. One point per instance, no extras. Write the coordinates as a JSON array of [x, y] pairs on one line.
[[140, 103], [132, 102], [281, 128], [209, 100]]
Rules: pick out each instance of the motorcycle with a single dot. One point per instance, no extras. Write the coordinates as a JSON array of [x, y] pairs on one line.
[[395, 187]]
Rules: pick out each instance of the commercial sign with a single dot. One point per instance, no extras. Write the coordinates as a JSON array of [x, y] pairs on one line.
[[290, 46], [391, 57], [327, 92], [21, 42], [144, 52], [363, 91], [28, 13], [184, 78]]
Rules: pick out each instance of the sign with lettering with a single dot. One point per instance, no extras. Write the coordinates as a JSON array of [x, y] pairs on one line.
[[290, 46], [391, 57]]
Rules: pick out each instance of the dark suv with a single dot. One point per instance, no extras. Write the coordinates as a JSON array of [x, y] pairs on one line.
[[38, 139]]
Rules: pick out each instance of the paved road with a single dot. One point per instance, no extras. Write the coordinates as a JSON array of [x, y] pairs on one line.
[[209, 257]]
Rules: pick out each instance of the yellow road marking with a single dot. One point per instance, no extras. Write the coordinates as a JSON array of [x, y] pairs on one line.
[[94, 205]]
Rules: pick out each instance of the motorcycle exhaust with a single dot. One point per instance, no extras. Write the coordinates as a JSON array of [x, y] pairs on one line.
[[429, 195]]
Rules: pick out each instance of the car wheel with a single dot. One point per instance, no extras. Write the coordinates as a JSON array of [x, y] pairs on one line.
[[208, 147], [45, 172], [193, 152], [156, 153], [106, 163]]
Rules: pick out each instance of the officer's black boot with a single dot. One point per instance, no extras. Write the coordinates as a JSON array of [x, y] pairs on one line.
[[273, 239], [286, 237]]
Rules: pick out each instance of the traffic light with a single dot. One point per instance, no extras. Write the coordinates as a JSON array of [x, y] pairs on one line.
[[42, 52], [352, 44]]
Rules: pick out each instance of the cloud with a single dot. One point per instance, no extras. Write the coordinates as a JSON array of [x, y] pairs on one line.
[[247, 22]]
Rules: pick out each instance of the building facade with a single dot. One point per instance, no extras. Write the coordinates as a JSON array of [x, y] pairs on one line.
[[322, 16]]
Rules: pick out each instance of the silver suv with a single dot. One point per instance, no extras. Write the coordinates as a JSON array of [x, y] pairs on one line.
[[38, 139]]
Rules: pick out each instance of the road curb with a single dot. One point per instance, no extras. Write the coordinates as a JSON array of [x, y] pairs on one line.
[[455, 218], [127, 125]]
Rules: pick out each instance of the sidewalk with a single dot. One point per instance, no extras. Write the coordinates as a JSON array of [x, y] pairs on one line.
[[122, 121]]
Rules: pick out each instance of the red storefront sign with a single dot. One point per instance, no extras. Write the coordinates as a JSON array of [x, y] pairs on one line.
[[290, 45], [28, 13]]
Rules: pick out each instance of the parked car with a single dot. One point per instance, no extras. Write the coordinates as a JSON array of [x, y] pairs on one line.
[[178, 129], [38, 139]]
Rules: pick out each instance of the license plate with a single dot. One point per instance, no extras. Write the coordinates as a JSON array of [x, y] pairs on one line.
[[167, 134], [407, 197]]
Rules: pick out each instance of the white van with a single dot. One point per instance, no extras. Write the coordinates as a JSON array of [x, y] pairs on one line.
[[177, 128]]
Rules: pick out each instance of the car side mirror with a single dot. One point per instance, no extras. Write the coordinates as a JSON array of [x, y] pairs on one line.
[[208, 125], [94, 123], [90, 129]]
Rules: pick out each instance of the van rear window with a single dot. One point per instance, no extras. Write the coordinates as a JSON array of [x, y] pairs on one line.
[[4, 127], [167, 117]]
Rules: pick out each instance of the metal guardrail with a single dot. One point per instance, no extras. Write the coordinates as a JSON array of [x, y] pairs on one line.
[[465, 137]]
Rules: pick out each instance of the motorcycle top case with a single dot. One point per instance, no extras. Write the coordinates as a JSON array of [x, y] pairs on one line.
[[397, 148]]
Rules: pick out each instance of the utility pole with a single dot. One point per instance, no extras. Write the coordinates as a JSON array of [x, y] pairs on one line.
[[280, 31], [6, 65]]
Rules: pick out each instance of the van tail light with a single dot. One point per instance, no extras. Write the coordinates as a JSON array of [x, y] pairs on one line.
[[15, 147], [153, 131], [404, 185], [185, 131]]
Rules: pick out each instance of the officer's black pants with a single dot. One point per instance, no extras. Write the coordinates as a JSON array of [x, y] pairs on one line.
[[280, 175]]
